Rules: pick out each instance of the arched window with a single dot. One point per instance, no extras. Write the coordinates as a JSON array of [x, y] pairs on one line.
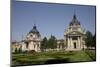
[[31, 35]]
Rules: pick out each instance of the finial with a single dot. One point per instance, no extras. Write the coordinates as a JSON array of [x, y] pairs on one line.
[[74, 12], [74, 16], [34, 26]]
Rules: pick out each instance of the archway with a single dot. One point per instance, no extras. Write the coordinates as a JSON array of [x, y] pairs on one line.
[[74, 44]]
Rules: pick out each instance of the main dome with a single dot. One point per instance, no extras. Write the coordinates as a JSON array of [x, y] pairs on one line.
[[74, 21]]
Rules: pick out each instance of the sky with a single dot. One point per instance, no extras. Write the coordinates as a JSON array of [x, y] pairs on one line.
[[50, 18]]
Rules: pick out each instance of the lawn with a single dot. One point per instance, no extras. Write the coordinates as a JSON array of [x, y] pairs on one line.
[[52, 57]]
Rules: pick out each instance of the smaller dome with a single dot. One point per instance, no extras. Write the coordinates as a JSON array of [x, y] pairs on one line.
[[34, 30]]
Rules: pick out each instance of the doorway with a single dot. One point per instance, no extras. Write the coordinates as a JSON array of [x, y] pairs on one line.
[[74, 44], [27, 45]]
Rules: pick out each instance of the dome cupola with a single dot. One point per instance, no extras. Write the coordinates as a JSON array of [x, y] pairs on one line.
[[74, 21], [34, 30]]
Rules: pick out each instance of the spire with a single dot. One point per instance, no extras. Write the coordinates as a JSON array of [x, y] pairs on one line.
[[34, 27], [74, 20], [74, 16]]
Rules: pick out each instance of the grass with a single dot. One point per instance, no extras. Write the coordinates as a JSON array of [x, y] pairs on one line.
[[51, 57]]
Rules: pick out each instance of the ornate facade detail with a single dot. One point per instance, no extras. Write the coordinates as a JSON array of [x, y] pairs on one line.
[[74, 36], [74, 39], [32, 41]]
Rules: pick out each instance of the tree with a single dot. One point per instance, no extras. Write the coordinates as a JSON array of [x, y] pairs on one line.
[[94, 40], [52, 42], [89, 39], [16, 51], [44, 44], [20, 50]]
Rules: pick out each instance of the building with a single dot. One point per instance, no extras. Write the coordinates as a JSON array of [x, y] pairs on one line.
[[15, 46], [74, 39], [60, 44], [32, 41], [74, 35]]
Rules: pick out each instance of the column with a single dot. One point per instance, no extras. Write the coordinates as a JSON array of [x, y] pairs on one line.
[[71, 45], [36, 47], [79, 42], [68, 43], [65, 42], [39, 46]]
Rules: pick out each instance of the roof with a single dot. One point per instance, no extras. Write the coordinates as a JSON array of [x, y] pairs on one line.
[[34, 30]]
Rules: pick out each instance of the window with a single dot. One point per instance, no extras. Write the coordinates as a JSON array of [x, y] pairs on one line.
[[74, 28], [74, 38], [30, 35], [26, 44]]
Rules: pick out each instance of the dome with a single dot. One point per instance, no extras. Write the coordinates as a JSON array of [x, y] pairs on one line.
[[34, 30], [74, 21]]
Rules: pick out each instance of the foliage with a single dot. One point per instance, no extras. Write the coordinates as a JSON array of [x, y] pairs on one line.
[[16, 50], [43, 44], [20, 50], [90, 39], [94, 40], [50, 43]]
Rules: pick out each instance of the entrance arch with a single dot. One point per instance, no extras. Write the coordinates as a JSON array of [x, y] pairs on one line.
[[74, 44]]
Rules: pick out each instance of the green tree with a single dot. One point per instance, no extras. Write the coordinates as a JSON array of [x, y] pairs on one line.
[[94, 40], [89, 39], [20, 50], [44, 44], [52, 42], [16, 51]]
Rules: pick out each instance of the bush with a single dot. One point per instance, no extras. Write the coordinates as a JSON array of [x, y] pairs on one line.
[[31, 51]]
